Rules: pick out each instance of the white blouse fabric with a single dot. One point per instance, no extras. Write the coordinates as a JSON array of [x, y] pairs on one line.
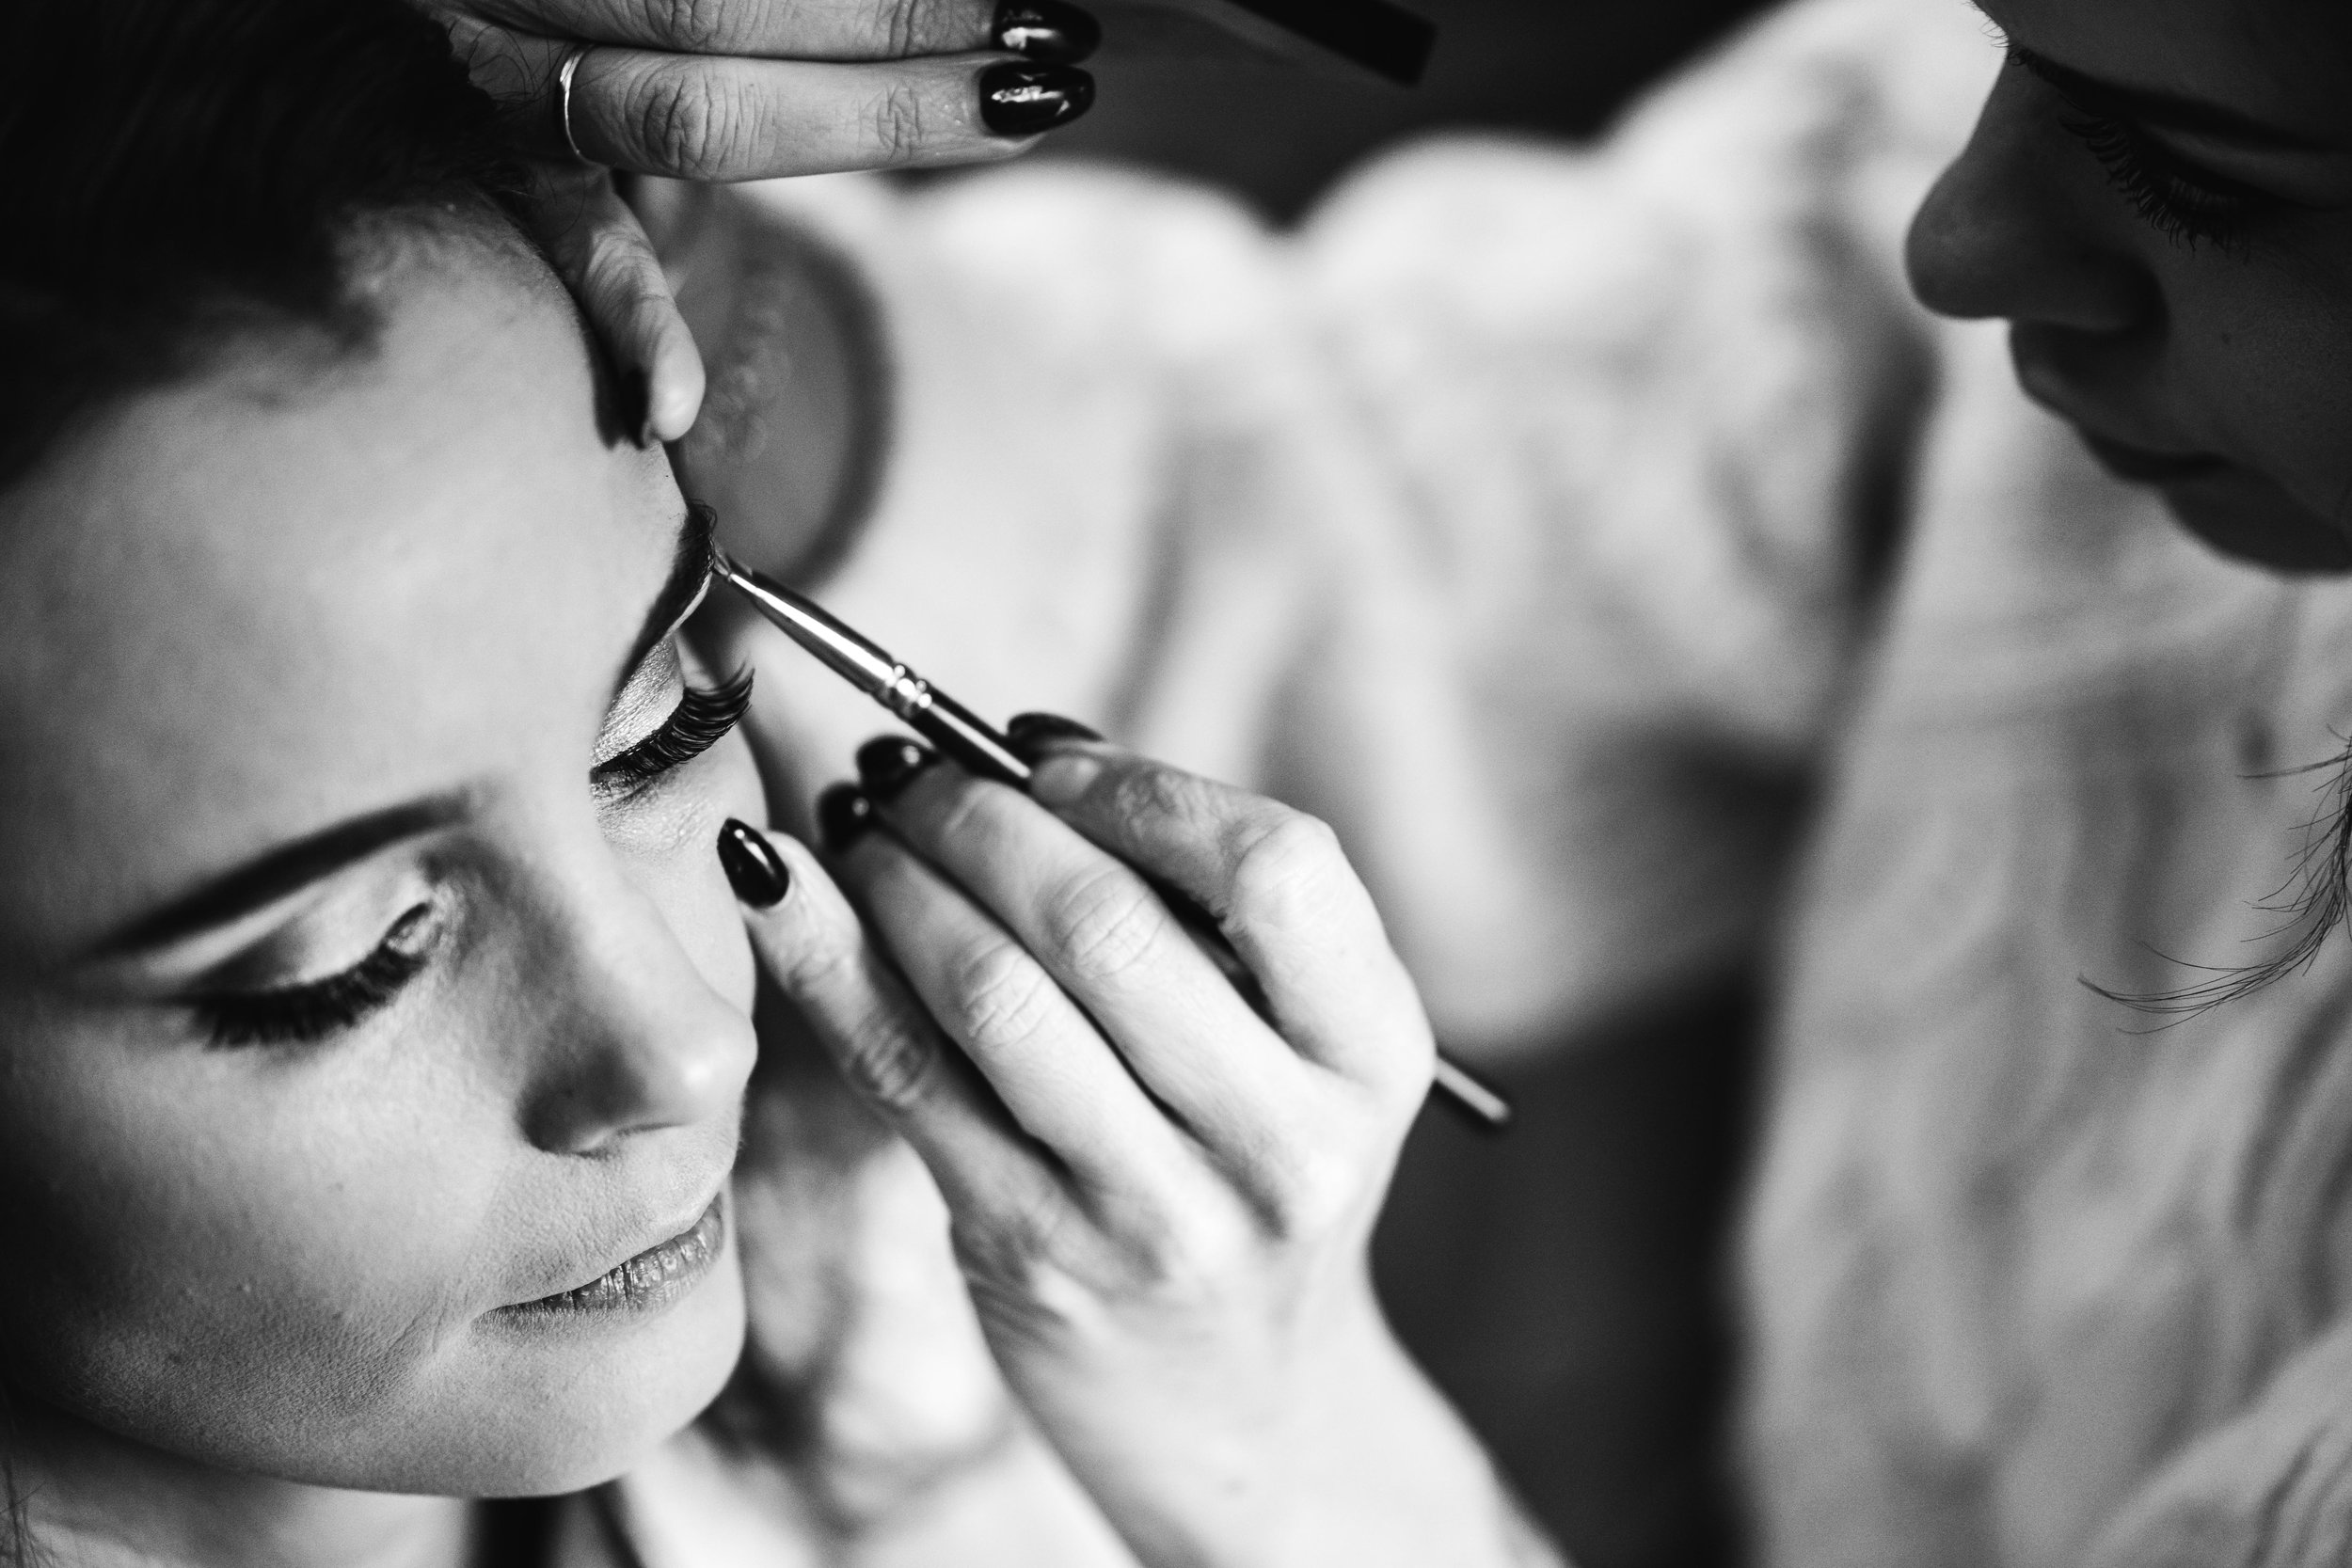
[[1645, 587]]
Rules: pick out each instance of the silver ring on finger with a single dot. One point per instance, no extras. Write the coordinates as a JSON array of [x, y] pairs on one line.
[[564, 74]]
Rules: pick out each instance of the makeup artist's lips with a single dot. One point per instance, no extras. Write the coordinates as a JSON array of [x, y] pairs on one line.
[[646, 1283], [2135, 465], [2142, 467]]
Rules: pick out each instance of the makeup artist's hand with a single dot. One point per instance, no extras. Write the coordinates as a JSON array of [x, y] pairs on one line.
[[1162, 1201], [748, 89]]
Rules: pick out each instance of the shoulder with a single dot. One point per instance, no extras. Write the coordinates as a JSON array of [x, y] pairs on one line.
[[1819, 126]]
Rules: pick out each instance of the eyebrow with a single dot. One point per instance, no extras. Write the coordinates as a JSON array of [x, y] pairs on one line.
[[2163, 110], [689, 572], [270, 876]]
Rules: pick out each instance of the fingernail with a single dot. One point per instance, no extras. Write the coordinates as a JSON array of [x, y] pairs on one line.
[[1032, 735], [844, 816], [1023, 99], [888, 763], [1048, 31], [755, 870]]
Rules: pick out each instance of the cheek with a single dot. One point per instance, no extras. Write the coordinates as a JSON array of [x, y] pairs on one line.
[[678, 867], [231, 1253], [2261, 348]]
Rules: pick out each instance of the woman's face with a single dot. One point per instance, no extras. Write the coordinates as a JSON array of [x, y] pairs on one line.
[[366, 973], [2158, 198]]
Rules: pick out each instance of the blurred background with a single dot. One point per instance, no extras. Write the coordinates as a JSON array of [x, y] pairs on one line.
[[1564, 1284], [1276, 132]]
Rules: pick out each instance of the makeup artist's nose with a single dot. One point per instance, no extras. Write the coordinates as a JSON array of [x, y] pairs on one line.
[[643, 1043], [2010, 229]]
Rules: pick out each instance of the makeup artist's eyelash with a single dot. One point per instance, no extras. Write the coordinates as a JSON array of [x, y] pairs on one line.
[[2184, 203], [310, 1011], [701, 720]]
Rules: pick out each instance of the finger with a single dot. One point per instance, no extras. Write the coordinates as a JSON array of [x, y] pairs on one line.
[[722, 118], [1063, 1084], [750, 119], [1280, 888], [888, 1049], [603, 254], [1108, 940], [809, 30]]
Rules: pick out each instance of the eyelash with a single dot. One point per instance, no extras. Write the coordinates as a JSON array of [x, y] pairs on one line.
[[298, 1014], [316, 1009], [2185, 204], [701, 720]]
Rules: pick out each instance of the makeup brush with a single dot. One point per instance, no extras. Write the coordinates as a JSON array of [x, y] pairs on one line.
[[980, 749]]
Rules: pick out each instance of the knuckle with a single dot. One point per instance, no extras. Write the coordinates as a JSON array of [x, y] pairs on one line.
[[1318, 1193], [1190, 1259], [1286, 866], [1001, 998], [896, 122], [892, 1066], [689, 123], [1012, 1255], [691, 27], [1105, 923], [1152, 791], [908, 28]]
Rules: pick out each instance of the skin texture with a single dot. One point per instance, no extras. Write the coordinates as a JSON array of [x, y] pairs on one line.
[[2239, 352], [258, 1287], [297, 589], [735, 89]]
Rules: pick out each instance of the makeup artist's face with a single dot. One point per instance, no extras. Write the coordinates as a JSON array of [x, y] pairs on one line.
[[355, 998], [2158, 198]]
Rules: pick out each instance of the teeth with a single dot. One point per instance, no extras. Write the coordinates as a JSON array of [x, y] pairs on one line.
[[646, 1276]]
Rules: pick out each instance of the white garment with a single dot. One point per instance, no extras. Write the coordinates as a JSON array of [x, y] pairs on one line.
[[1642, 583]]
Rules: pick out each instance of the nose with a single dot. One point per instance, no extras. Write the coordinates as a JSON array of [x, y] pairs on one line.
[[641, 1042], [2010, 229]]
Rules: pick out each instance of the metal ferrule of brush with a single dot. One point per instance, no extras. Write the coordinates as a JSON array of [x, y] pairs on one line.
[[971, 741]]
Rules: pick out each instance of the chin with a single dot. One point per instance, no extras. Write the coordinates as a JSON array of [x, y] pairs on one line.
[[2246, 518], [558, 1407]]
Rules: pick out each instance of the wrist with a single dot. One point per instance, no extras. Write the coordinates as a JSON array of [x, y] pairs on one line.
[[1385, 1472]]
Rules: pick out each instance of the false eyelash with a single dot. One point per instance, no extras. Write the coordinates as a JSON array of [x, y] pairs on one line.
[[316, 1009], [2315, 902], [2187, 205], [701, 720]]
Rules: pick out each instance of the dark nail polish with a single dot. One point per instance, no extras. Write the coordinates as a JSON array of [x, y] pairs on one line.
[[1032, 735], [1023, 99], [844, 816], [755, 870], [888, 763], [1047, 31]]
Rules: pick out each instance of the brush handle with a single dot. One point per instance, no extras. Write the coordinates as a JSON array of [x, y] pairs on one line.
[[973, 742]]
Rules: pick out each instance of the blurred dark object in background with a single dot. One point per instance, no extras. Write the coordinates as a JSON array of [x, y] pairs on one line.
[[1277, 134], [1568, 1285]]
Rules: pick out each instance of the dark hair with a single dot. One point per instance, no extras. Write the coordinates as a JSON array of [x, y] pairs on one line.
[[181, 172]]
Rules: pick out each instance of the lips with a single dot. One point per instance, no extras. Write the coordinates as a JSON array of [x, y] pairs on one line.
[[649, 1281], [2143, 467]]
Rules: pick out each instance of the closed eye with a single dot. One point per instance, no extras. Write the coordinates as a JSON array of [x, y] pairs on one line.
[[310, 1011], [2183, 202], [702, 719]]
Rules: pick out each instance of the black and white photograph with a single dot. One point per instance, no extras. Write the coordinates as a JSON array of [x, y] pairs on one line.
[[1176, 783]]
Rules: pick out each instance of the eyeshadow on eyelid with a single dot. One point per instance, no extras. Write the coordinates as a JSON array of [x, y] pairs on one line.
[[643, 702]]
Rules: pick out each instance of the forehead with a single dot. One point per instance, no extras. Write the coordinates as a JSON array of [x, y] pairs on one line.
[[2286, 62], [242, 608]]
